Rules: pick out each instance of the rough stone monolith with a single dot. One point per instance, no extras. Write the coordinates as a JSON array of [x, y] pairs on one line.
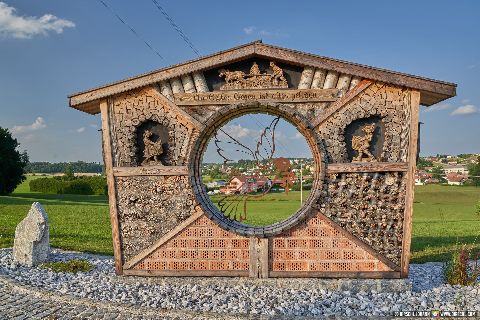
[[31, 244]]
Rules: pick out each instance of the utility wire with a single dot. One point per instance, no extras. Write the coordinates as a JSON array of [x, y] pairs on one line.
[[176, 27], [131, 29]]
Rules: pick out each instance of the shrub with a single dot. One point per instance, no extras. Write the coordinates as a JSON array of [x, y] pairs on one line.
[[77, 185], [74, 266], [458, 271]]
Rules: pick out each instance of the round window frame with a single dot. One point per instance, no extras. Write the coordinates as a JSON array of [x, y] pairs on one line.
[[223, 116]]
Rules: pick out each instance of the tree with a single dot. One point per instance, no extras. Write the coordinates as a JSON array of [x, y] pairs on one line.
[[438, 173], [474, 172], [68, 173], [12, 163]]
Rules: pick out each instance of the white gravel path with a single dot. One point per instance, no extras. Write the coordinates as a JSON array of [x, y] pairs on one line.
[[222, 295]]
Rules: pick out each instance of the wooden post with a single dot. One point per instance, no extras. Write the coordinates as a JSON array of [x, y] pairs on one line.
[[412, 158], [318, 78], [330, 80], [306, 78], [112, 196]]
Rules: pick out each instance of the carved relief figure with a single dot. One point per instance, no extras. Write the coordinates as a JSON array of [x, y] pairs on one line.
[[152, 150], [235, 80], [361, 144], [277, 76]]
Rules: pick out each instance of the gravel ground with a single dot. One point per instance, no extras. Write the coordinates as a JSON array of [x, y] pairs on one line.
[[234, 296]]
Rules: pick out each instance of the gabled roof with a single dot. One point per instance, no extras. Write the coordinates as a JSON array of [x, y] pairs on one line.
[[432, 91]]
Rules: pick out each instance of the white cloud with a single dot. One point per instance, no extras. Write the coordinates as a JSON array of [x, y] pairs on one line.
[[437, 107], [80, 130], [23, 27], [237, 131], [38, 124], [249, 29], [466, 109], [297, 135]]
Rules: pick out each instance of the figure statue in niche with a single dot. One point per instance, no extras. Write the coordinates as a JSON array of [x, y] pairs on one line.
[[152, 150], [361, 144], [277, 75]]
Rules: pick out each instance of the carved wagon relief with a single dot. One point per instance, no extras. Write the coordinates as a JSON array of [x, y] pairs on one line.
[[359, 122]]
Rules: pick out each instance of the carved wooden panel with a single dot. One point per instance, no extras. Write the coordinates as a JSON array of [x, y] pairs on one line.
[[134, 108], [391, 104]]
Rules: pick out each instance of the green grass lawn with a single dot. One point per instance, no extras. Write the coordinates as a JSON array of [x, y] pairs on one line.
[[443, 216], [77, 222]]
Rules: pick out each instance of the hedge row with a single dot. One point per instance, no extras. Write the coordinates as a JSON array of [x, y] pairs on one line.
[[77, 185]]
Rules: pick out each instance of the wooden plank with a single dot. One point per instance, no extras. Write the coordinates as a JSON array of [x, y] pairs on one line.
[[412, 158], [336, 274], [253, 271], [340, 103], [112, 195], [244, 96], [169, 235], [150, 171], [263, 263], [186, 273], [367, 167], [359, 242]]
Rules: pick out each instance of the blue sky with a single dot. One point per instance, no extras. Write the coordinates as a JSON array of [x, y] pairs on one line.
[[51, 48]]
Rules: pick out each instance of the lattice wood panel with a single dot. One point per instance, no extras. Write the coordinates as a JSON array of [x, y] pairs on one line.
[[203, 245], [316, 246]]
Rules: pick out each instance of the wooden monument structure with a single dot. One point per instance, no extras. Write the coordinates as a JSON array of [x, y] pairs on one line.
[[360, 122]]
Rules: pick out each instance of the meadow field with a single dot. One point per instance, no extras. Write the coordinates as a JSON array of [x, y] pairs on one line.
[[444, 218]]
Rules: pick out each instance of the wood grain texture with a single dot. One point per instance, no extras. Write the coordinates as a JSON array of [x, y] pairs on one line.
[[263, 263], [412, 158], [340, 103], [112, 195], [367, 167], [150, 171]]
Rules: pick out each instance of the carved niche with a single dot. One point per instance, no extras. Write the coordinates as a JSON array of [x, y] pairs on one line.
[[152, 144], [364, 139]]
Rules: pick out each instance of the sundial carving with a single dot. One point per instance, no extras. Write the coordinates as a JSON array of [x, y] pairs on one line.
[[255, 79]]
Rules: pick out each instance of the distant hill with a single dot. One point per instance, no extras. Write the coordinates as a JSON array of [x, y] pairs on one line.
[[59, 167]]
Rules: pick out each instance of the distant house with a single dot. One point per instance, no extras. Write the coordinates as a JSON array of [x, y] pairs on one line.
[[421, 176], [455, 168], [244, 184], [456, 179]]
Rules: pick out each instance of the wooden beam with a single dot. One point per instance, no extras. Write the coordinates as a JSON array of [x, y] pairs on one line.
[[336, 274], [263, 263], [186, 273], [112, 194], [412, 159], [166, 237], [150, 171], [367, 167], [340, 103]]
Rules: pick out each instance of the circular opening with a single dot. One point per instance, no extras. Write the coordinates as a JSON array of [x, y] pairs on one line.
[[257, 170]]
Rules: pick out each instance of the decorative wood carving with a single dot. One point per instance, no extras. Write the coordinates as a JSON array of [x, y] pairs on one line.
[[361, 144], [235, 80]]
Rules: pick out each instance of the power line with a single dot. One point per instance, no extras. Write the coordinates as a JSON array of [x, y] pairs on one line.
[[176, 27], [131, 28]]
